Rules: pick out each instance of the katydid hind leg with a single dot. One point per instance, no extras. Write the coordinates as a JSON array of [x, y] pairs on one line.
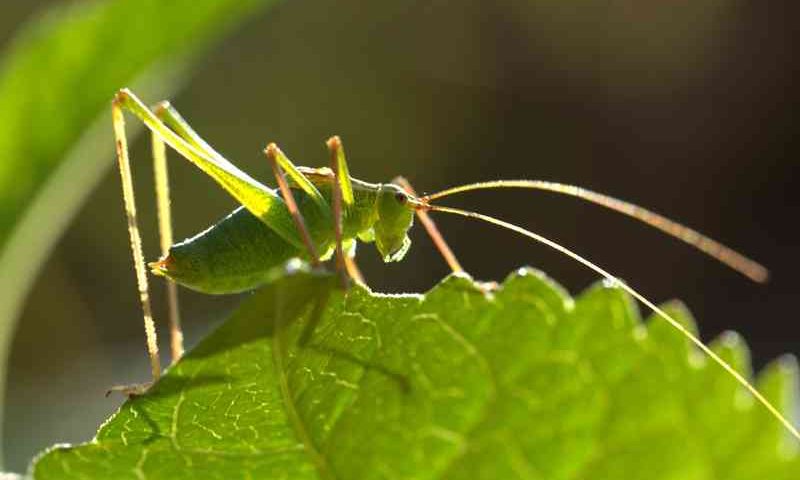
[[261, 201], [167, 113], [161, 175], [135, 241]]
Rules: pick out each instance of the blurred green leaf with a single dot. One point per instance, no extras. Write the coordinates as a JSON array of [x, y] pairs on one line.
[[56, 82], [64, 67], [525, 383]]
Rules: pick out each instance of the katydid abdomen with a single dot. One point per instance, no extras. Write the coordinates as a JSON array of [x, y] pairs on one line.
[[234, 255]]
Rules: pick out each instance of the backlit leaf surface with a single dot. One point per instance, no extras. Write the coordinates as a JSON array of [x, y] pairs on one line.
[[525, 382]]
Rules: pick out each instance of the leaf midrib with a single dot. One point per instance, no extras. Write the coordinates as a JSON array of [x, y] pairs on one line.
[[320, 463]]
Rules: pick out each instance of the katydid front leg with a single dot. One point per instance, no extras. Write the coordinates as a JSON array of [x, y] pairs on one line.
[[432, 229], [342, 193]]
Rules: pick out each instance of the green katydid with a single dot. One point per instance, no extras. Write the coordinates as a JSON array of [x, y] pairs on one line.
[[318, 213]]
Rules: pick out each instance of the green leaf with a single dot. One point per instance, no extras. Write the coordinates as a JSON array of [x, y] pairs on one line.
[[64, 68], [56, 83], [522, 383]]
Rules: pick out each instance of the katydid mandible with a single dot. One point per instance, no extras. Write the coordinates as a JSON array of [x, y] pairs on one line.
[[319, 213]]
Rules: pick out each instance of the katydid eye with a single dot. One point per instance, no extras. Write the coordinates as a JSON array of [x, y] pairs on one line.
[[401, 198]]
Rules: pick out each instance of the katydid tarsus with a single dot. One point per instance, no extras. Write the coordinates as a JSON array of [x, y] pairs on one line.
[[319, 213]]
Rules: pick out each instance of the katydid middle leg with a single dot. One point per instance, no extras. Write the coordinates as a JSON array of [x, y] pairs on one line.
[[342, 193], [276, 159]]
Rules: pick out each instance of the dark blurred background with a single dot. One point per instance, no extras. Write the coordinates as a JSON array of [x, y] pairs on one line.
[[686, 107]]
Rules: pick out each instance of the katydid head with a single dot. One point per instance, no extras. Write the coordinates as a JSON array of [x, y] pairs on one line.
[[395, 212]]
